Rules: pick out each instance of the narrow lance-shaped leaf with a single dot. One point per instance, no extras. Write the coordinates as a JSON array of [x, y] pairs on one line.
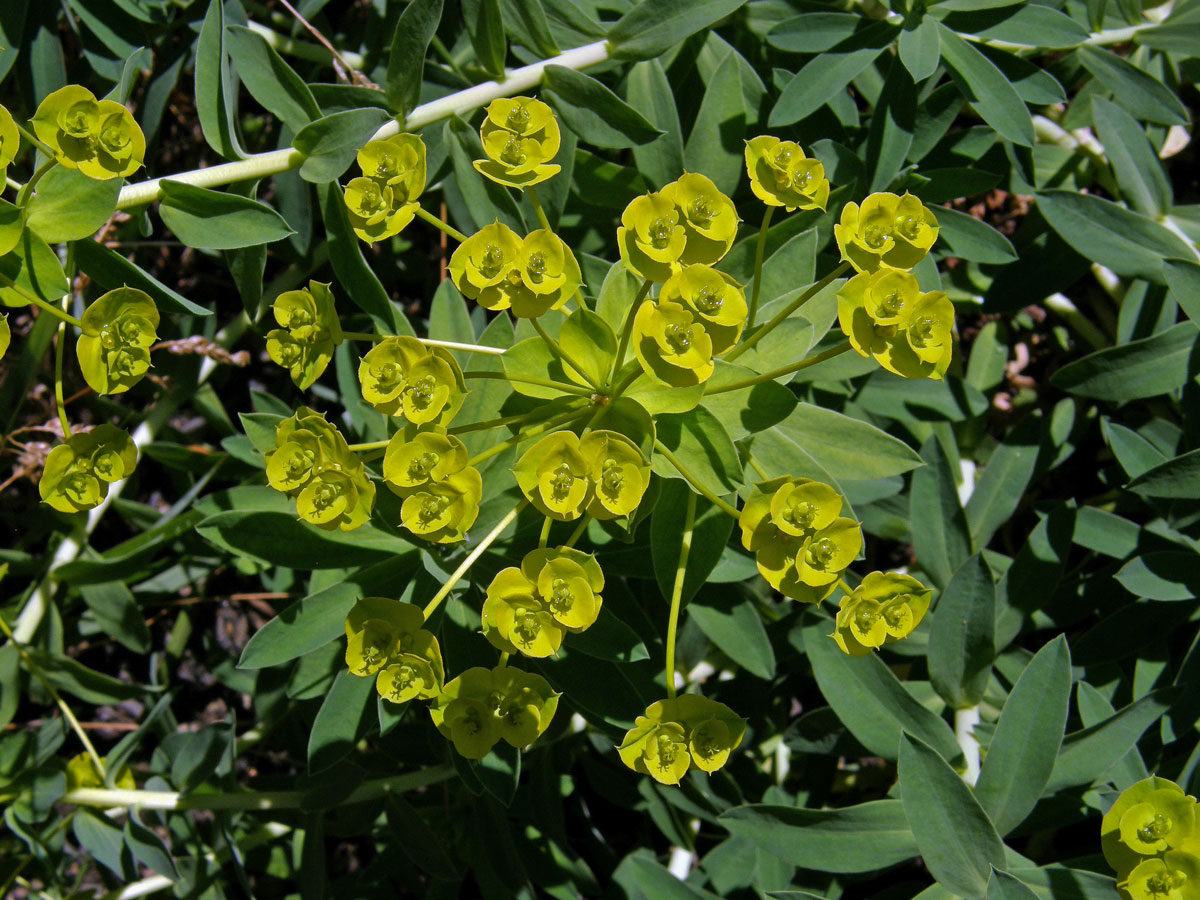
[[406, 62], [962, 640]]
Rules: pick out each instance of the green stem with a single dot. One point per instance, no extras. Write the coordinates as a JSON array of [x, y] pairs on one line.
[[685, 549], [370, 445], [557, 350], [627, 383], [251, 800], [627, 330], [441, 226], [46, 149], [782, 370], [23, 196], [696, 485], [428, 342], [540, 382], [40, 303], [37, 673], [754, 464], [503, 659], [759, 251], [462, 570], [579, 530], [503, 421], [787, 311], [59, 345], [525, 434], [544, 537], [537, 208]]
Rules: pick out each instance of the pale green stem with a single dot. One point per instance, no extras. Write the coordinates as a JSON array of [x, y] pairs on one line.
[[544, 537], [782, 370], [540, 382], [627, 330], [462, 570], [37, 673], [685, 549], [696, 485], [759, 252], [428, 342], [40, 303], [579, 530], [46, 149], [426, 215], [251, 800], [370, 445], [557, 350], [754, 464], [262, 165], [965, 721], [503, 421], [23, 196], [525, 434], [787, 311], [59, 345], [537, 208]]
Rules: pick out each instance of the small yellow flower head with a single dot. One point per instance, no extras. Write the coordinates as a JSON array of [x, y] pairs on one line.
[[553, 475], [801, 542], [885, 316], [884, 609], [1174, 876], [672, 344], [114, 349], [400, 376], [483, 706], [82, 773], [443, 511], [652, 236], [10, 140], [309, 334], [715, 300], [100, 138], [520, 136], [674, 734], [313, 464], [530, 609], [384, 199], [498, 270], [708, 217], [77, 474], [619, 473], [1150, 818], [886, 231], [781, 175], [385, 638], [427, 457]]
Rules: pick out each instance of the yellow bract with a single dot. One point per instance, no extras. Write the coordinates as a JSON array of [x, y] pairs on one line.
[[885, 316], [674, 734], [781, 175], [77, 474], [688, 222], [886, 231], [400, 376], [1151, 837], [385, 638], [520, 136], [310, 332], [10, 140], [118, 330], [499, 270], [483, 706], [98, 137], [883, 609], [384, 199], [82, 773], [441, 492], [603, 474], [800, 541]]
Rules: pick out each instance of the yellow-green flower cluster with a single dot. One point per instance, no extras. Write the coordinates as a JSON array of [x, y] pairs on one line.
[[675, 733], [781, 175], [117, 333], [529, 610], [385, 638], [498, 270], [441, 492], [383, 199], [482, 706], [698, 315], [883, 609], [886, 316], [313, 464], [98, 137], [10, 140], [1151, 836], [310, 331], [400, 376], [77, 474], [688, 222], [520, 136], [800, 540], [887, 231], [603, 474]]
